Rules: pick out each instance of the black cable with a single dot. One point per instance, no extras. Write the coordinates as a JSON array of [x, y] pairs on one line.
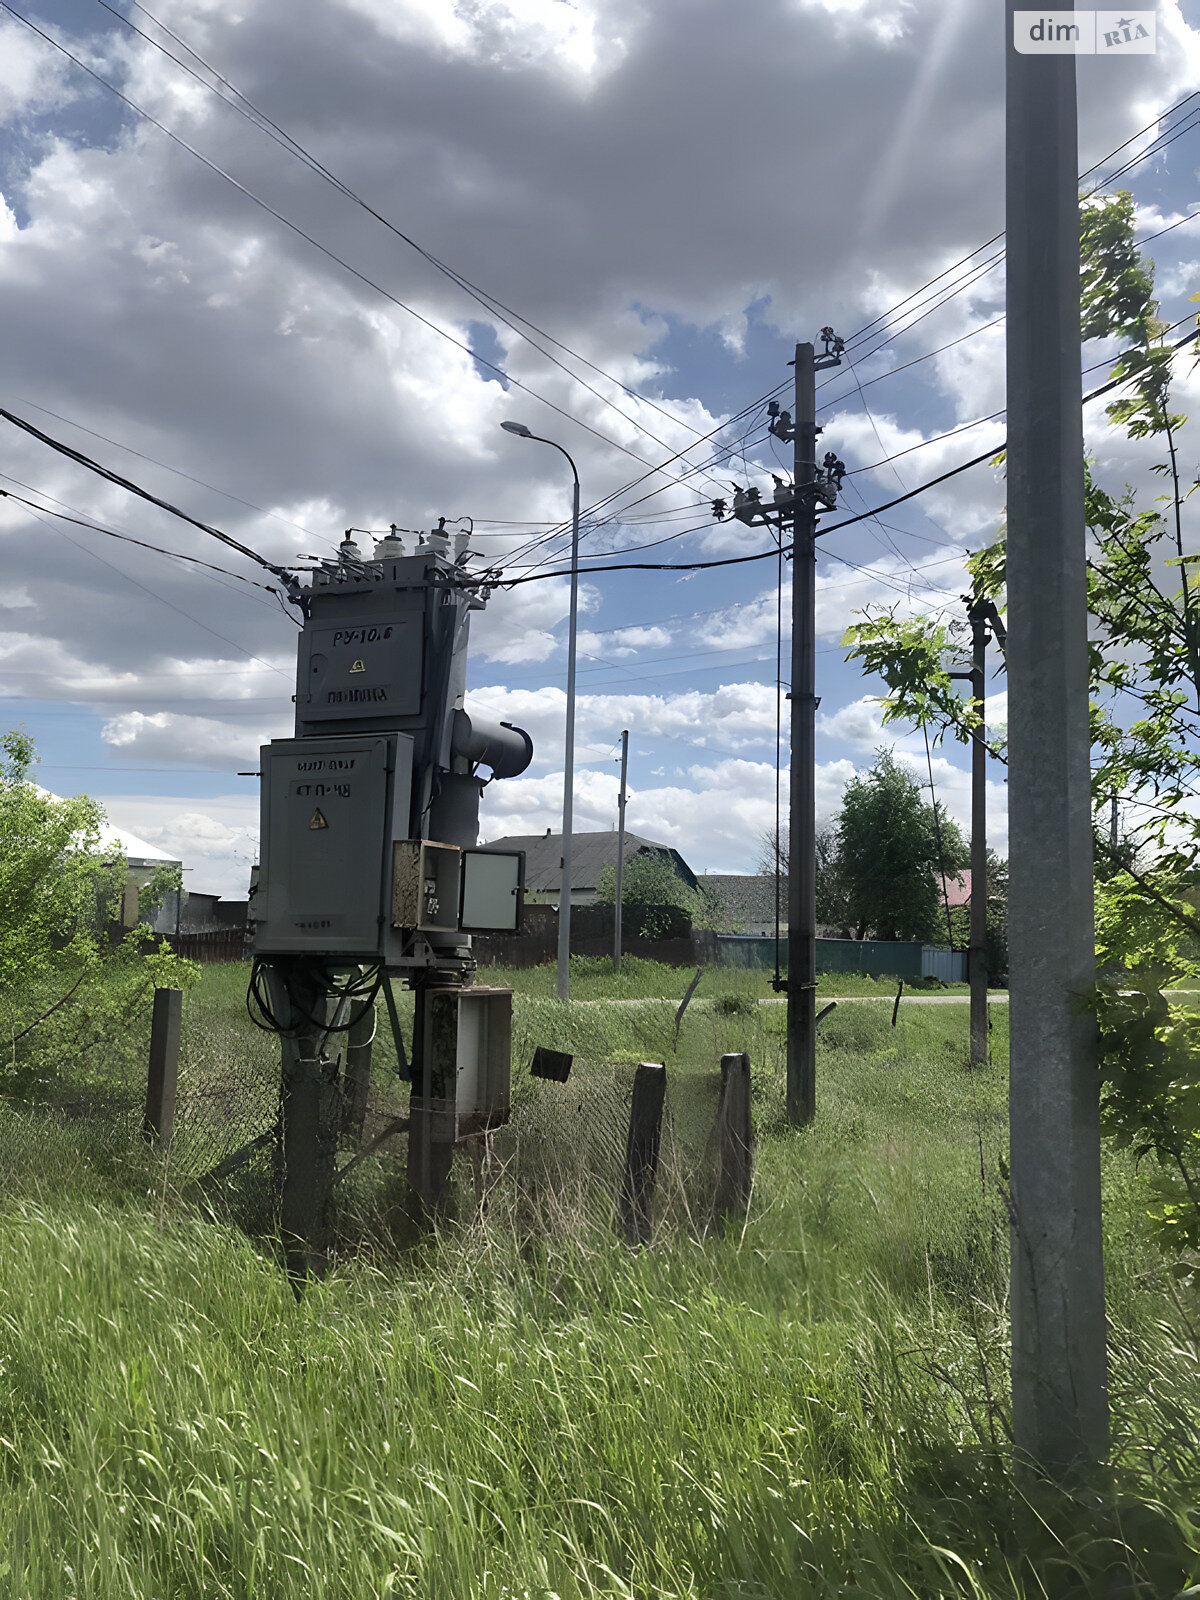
[[126, 483], [317, 245], [365, 987], [177, 471], [128, 538], [293, 147], [846, 522]]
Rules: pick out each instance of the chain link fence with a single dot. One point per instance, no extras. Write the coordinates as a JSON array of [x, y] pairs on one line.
[[555, 1165]]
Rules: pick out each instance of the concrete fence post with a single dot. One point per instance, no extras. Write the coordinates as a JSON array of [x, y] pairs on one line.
[[163, 1076]]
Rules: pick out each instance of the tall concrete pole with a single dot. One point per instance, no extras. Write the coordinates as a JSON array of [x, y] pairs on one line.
[[977, 960], [564, 894], [1059, 1367], [621, 799], [802, 820]]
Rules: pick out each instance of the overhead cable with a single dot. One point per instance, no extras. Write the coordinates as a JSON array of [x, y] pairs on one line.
[[332, 255], [134, 488], [846, 522], [127, 538]]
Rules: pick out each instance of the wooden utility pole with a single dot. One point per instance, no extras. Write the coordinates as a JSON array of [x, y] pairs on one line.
[[735, 1139], [1059, 1369], [802, 820], [641, 1151], [621, 799]]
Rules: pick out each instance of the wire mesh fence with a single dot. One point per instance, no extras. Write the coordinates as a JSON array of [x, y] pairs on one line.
[[557, 1161]]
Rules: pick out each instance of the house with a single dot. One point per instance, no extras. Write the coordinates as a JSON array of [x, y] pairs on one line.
[[590, 852], [748, 900], [142, 861]]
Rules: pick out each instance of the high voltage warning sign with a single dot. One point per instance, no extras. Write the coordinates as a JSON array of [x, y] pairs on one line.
[[318, 820], [358, 667]]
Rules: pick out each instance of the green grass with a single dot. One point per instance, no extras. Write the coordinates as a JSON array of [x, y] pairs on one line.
[[593, 978], [803, 1405]]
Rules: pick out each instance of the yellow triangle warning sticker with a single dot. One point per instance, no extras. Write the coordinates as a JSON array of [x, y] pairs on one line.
[[358, 667], [318, 821]]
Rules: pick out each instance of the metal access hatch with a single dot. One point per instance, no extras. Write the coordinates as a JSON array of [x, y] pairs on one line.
[[328, 818]]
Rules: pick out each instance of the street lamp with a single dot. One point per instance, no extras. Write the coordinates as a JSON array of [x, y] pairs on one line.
[[564, 894]]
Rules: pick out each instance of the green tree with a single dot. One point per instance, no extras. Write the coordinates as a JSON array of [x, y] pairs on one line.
[[1144, 638], [653, 895], [69, 997], [831, 892], [892, 847]]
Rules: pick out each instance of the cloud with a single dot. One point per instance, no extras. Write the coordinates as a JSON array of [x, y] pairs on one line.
[[216, 839], [716, 818], [621, 643], [566, 158], [734, 716], [198, 741]]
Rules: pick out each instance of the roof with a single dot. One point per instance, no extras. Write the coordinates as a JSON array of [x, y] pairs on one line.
[[747, 897], [130, 846], [589, 853], [113, 838], [956, 889]]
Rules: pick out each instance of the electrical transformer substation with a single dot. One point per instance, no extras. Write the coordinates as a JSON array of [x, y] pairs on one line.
[[370, 873]]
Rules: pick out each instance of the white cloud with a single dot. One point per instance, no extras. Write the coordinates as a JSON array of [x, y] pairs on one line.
[[621, 643], [216, 839], [567, 158], [31, 78], [196, 741]]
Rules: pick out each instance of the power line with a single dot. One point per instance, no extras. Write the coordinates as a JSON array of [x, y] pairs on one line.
[[162, 600], [177, 471], [846, 522], [326, 251], [293, 147], [970, 276], [125, 483], [127, 538]]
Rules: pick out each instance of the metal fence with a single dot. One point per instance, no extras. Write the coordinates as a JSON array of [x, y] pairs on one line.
[[554, 1166], [869, 957]]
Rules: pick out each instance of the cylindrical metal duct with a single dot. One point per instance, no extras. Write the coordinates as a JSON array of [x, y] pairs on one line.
[[507, 750]]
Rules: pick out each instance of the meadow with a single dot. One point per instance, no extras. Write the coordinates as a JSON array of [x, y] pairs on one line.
[[809, 1401]]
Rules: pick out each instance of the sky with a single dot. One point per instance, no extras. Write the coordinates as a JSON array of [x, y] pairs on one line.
[[664, 198]]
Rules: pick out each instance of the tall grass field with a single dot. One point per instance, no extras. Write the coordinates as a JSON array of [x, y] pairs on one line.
[[807, 1401]]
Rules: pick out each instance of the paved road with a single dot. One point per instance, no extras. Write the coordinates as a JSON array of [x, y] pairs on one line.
[[997, 997]]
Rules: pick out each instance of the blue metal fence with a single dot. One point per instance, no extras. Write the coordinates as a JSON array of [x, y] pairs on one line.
[[871, 957]]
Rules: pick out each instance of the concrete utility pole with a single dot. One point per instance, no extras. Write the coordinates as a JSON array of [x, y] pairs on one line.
[[802, 820], [622, 797], [977, 968], [1059, 1368]]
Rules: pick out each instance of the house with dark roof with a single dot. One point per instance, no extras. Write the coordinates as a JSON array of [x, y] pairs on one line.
[[589, 853], [748, 900]]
